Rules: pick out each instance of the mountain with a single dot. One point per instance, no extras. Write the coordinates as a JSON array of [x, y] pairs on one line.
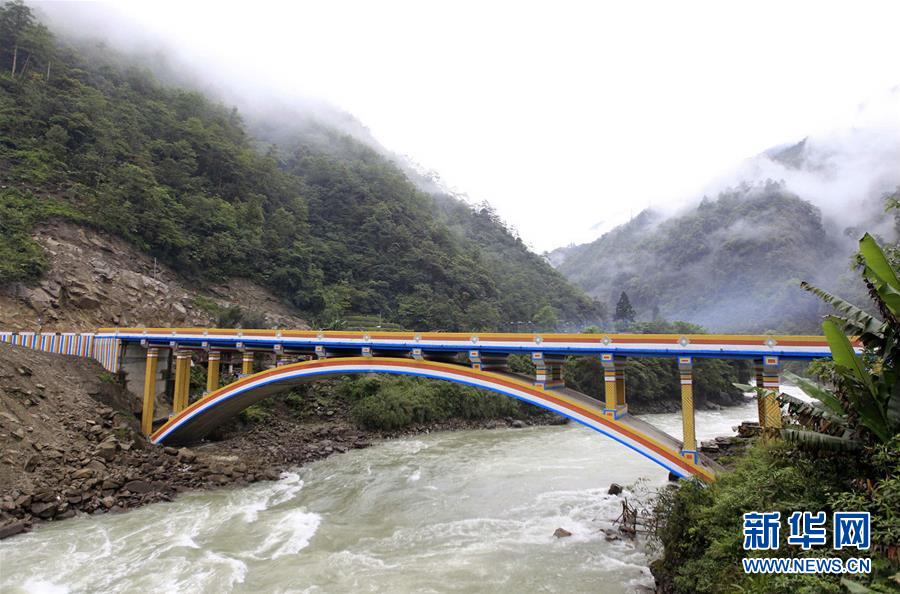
[[309, 211], [734, 262]]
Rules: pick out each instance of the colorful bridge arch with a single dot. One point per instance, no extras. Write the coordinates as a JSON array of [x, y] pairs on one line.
[[198, 419]]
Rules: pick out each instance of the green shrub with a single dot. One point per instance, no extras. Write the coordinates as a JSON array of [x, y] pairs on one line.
[[254, 413], [394, 403], [21, 257], [700, 527]]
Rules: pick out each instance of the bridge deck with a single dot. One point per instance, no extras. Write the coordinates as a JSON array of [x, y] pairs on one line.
[[725, 346]]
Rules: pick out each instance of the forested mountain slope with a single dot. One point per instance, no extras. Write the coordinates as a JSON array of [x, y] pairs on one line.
[[329, 224], [731, 264]]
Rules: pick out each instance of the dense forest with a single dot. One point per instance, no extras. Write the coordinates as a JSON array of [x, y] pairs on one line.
[[329, 223], [87, 135]]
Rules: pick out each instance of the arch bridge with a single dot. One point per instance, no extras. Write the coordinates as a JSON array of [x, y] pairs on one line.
[[156, 361]]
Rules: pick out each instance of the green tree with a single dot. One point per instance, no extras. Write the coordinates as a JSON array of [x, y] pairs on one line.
[[546, 318], [15, 21], [624, 310]]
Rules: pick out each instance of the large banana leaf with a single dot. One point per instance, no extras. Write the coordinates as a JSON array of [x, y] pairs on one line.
[[820, 441], [888, 294], [865, 398], [877, 262], [843, 354], [856, 321], [816, 391], [879, 271], [816, 412]]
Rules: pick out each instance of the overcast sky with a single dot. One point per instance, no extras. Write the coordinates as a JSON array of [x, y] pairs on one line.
[[567, 116]]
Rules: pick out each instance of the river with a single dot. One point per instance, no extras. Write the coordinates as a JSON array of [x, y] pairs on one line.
[[470, 511]]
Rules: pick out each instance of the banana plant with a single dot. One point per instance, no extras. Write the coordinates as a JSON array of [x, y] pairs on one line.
[[867, 393]]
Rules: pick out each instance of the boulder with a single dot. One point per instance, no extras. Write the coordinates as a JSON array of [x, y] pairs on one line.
[[12, 528], [83, 473], [187, 456], [111, 483], [107, 450], [614, 489], [43, 509], [32, 463], [561, 533], [138, 486]]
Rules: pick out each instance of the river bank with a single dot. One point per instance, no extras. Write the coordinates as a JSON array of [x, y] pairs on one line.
[[72, 447], [471, 511]]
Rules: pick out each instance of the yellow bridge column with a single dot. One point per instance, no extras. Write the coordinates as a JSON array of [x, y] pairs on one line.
[[548, 371], [760, 400], [149, 390], [282, 359], [182, 380], [620, 386], [212, 371], [610, 385], [771, 384], [689, 443], [247, 363], [540, 370]]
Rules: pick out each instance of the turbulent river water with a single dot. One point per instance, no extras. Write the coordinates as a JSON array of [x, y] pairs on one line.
[[470, 511]]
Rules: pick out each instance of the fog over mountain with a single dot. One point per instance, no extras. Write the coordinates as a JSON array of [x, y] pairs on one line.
[[763, 234], [732, 260]]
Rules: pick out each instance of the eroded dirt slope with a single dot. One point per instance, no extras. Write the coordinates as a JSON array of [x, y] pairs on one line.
[[96, 280]]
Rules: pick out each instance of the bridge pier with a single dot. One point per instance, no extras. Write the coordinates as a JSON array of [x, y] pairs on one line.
[[614, 403], [149, 391], [488, 361], [548, 370], [247, 363], [213, 361], [768, 378], [282, 359], [689, 439], [182, 380]]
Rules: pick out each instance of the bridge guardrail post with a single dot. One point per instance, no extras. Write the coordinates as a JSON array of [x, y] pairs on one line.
[[689, 440]]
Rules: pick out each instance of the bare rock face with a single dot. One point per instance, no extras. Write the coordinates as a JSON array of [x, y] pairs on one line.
[[98, 280]]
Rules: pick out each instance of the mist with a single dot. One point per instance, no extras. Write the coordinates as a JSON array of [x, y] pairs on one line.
[[590, 120], [842, 165]]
